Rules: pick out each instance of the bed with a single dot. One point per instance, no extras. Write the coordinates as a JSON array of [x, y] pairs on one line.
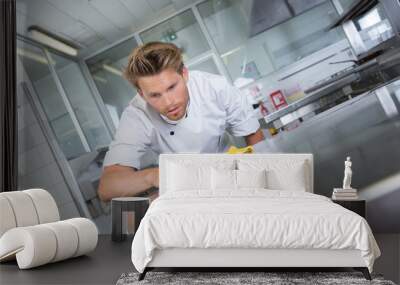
[[245, 211]]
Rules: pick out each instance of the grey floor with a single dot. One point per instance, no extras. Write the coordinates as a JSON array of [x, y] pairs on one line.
[[102, 266]]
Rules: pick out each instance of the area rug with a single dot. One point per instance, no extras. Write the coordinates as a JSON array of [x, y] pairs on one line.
[[269, 278]]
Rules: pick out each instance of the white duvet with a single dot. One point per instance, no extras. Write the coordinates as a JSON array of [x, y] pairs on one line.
[[253, 218]]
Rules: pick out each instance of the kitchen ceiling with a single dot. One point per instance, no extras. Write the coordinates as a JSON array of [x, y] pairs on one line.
[[93, 24]]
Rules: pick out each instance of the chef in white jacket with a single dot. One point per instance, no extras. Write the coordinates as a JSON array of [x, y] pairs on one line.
[[176, 111]]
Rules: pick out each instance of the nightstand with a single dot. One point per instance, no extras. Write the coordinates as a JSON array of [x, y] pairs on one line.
[[126, 214], [357, 206]]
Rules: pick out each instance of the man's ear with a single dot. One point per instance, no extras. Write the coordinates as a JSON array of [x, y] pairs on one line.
[[185, 73], [140, 92]]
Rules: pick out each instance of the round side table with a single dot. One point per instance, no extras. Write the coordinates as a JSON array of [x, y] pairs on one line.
[[122, 211]]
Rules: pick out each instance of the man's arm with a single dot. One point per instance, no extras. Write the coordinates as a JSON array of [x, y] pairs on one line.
[[254, 138], [122, 181]]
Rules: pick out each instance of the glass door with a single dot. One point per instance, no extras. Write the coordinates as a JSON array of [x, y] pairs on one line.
[[81, 100], [66, 100], [65, 128]]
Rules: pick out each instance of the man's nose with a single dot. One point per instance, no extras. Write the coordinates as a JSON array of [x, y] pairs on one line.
[[168, 99]]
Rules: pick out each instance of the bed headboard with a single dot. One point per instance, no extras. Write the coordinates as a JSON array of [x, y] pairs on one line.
[[307, 158]]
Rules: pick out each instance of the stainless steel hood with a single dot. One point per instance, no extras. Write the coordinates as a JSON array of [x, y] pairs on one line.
[[266, 14]]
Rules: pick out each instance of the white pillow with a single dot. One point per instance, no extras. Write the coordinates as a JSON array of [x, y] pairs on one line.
[[181, 177], [223, 179], [282, 174], [193, 174], [251, 178], [226, 179]]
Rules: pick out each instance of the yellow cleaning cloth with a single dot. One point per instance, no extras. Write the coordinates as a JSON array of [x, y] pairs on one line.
[[235, 150]]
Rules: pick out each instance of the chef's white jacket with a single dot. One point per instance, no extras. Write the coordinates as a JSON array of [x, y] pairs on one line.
[[214, 106]]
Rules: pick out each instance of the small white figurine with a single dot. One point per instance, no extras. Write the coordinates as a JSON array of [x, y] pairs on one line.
[[347, 174]]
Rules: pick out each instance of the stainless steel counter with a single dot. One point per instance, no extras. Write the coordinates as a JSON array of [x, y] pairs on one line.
[[332, 89]]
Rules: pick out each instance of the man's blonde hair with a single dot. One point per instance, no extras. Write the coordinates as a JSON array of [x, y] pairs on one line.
[[151, 59]]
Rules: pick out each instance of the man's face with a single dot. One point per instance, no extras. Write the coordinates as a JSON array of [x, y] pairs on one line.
[[166, 92]]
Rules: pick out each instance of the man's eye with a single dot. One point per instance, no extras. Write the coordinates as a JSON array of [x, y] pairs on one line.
[[171, 87], [155, 95]]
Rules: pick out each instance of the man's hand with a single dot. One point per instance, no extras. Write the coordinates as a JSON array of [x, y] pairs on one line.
[[155, 177], [252, 139]]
